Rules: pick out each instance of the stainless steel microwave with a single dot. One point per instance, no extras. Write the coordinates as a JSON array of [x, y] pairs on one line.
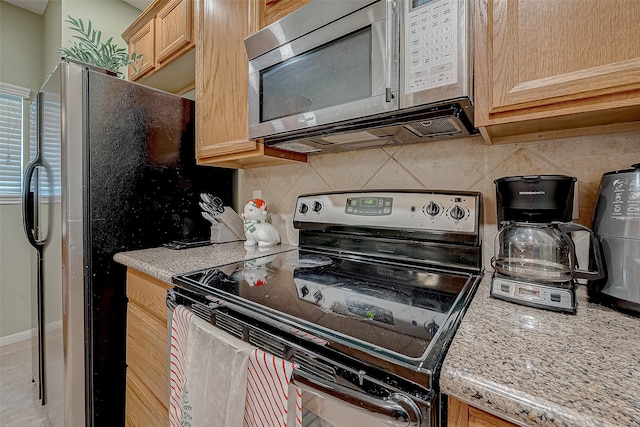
[[341, 75]]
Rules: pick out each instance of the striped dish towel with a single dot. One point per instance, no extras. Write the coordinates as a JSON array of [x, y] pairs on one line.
[[179, 334], [268, 389]]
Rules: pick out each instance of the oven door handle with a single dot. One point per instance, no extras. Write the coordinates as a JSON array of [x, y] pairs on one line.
[[397, 410]]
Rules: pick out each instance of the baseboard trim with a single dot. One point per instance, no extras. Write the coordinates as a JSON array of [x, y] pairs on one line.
[[12, 339], [25, 335]]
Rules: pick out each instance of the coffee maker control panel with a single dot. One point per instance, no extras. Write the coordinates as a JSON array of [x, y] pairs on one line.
[[534, 294]]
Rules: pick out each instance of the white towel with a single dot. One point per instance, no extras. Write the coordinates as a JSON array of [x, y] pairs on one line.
[[268, 389], [180, 321], [220, 381]]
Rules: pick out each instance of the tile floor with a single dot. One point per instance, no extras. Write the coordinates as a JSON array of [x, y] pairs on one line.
[[19, 404]]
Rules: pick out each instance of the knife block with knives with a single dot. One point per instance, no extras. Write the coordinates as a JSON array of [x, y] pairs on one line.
[[226, 224]]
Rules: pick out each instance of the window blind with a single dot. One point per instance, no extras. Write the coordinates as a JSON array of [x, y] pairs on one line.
[[50, 142], [10, 145]]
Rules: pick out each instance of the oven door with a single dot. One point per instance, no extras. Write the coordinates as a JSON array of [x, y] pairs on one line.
[[340, 71], [329, 405]]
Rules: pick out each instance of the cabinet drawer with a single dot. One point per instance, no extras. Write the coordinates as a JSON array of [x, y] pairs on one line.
[[149, 292], [148, 351], [142, 408], [461, 414]]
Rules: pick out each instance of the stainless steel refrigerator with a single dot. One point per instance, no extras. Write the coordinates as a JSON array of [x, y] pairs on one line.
[[114, 171]]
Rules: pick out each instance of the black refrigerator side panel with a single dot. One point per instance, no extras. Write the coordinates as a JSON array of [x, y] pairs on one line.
[[142, 191]]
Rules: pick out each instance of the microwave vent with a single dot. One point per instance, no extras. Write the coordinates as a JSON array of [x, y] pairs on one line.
[[431, 128]]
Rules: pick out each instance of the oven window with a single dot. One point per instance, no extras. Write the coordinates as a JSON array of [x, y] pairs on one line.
[[331, 75], [320, 411]]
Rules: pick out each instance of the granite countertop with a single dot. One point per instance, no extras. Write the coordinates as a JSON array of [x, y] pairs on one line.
[[540, 368], [163, 263], [529, 366]]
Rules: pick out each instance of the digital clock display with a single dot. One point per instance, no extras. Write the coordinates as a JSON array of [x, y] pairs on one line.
[[369, 206]]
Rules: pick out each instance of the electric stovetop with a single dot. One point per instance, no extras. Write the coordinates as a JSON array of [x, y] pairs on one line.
[[383, 307]]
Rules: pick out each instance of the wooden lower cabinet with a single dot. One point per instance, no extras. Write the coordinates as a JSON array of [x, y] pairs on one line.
[[142, 409], [147, 351], [461, 414]]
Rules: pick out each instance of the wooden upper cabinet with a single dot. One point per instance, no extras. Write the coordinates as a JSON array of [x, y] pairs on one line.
[[555, 65], [276, 9], [143, 43], [164, 35], [222, 74], [174, 28]]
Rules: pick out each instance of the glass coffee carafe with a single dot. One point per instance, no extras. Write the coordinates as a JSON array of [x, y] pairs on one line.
[[540, 252]]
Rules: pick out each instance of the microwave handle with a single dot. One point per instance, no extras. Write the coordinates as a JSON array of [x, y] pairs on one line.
[[389, 29]]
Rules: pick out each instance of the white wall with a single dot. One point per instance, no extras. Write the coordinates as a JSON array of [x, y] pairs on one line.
[[19, 66], [27, 64]]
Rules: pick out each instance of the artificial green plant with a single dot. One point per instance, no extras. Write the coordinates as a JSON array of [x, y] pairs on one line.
[[89, 48]]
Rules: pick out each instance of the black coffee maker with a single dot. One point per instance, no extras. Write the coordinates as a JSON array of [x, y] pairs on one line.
[[534, 255]]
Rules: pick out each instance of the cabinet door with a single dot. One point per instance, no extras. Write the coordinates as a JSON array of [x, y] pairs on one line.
[[174, 29], [222, 88], [143, 43], [148, 351], [142, 408], [462, 415], [276, 9], [544, 58], [147, 396]]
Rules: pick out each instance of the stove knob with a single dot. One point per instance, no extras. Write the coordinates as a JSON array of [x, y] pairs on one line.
[[317, 206], [304, 291], [432, 208], [432, 327], [457, 212], [303, 208]]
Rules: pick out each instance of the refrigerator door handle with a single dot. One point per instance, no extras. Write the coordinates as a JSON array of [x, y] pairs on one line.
[[30, 223], [29, 205]]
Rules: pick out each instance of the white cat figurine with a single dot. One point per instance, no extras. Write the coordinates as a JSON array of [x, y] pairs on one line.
[[256, 228]]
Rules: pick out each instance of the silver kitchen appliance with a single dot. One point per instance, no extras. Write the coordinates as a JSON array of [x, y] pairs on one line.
[[113, 170], [335, 76], [365, 307], [535, 258], [616, 222]]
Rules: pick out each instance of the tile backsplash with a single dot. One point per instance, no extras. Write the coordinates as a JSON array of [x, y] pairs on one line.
[[463, 164]]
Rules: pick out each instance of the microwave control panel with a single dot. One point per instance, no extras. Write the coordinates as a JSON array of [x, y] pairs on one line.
[[431, 44]]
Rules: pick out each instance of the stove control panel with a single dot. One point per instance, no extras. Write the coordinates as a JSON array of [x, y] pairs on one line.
[[427, 210]]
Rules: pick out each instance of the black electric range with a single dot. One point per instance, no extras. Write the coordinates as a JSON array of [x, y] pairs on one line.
[[375, 290]]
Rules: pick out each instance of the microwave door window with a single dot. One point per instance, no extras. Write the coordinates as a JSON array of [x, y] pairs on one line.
[[330, 75]]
